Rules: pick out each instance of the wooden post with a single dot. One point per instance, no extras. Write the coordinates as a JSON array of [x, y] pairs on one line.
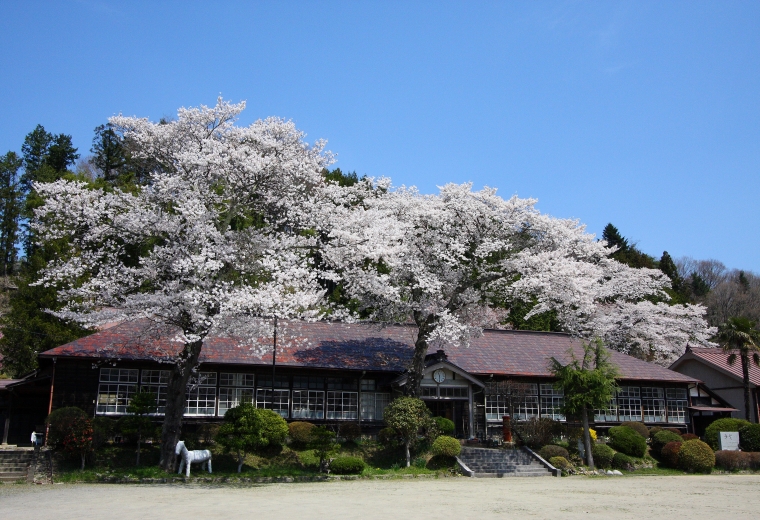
[[7, 425], [506, 428], [50, 402]]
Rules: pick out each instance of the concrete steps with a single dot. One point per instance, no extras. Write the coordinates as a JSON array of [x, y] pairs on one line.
[[14, 465], [497, 463]]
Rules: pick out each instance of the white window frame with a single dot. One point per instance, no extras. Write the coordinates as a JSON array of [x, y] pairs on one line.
[[342, 405], [115, 391], [281, 400], [373, 405], [308, 404]]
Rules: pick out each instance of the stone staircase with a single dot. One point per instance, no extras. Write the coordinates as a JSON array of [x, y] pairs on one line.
[[497, 463], [15, 464]]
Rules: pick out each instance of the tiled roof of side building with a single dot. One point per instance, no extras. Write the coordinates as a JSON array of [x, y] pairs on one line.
[[362, 346], [719, 358]]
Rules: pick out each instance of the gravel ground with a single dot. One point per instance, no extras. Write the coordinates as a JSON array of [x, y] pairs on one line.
[[710, 497]]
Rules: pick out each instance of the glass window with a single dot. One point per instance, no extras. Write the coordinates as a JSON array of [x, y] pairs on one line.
[[548, 389], [202, 379], [677, 411], [279, 382], [308, 404], [654, 410], [373, 405], [201, 400], [160, 392], [496, 407], [114, 398], [367, 385], [312, 383], [652, 393], [453, 391], [232, 397], [428, 391], [675, 393], [154, 377], [235, 379], [342, 405], [280, 403], [629, 403], [609, 414], [341, 383], [118, 375]]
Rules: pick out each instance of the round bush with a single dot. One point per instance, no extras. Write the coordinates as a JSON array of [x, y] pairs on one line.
[[628, 441], [559, 463], [445, 426], [61, 422], [603, 455], [623, 461], [350, 431], [696, 457], [749, 437], [638, 427], [653, 431], [726, 424], [661, 438], [552, 450], [689, 436], [669, 454], [274, 429], [300, 432], [347, 465], [446, 446]]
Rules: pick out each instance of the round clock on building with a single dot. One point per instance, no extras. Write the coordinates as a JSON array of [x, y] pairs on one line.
[[439, 376]]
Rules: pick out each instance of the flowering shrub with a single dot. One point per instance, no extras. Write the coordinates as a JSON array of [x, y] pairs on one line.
[[78, 438]]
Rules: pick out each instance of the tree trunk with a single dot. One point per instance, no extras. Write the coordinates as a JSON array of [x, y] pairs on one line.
[[175, 403], [83, 456], [139, 441], [240, 462], [425, 325], [745, 375], [587, 439], [408, 457]]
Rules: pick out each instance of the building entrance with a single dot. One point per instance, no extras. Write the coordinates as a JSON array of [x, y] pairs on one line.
[[456, 411]]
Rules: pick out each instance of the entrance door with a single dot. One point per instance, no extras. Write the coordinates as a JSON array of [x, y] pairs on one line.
[[454, 410]]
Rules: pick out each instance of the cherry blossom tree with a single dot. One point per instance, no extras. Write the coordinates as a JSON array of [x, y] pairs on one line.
[[213, 239]]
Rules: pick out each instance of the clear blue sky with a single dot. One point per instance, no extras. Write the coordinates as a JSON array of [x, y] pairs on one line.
[[643, 114]]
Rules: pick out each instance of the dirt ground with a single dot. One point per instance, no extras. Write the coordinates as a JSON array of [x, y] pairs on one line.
[[690, 497]]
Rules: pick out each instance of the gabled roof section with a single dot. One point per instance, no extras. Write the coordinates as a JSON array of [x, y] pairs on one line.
[[435, 364], [717, 358], [358, 346]]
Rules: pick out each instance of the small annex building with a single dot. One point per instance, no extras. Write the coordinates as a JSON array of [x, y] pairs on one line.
[[725, 380], [328, 372]]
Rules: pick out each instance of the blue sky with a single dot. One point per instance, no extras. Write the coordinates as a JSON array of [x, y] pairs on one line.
[[643, 114]]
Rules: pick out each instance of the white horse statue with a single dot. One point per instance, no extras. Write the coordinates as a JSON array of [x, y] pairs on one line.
[[192, 457]]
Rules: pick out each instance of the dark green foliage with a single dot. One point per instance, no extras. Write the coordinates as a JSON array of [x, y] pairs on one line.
[[247, 428], [696, 456], [109, 155], [653, 430], [322, 441], [537, 431], [347, 465], [446, 446], [559, 462], [445, 426], [11, 203], [698, 285], [60, 422], [546, 321], [726, 424], [661, 439], [552, 450], [300, 432], [103, 428], [437, 462], [141, 404], [669, 454], [623, 462], [627, 253], [350, 431], [749, 437], [408, 416], [343, 179], [626, 440], [603, 455], [638, 427], [387, 437]]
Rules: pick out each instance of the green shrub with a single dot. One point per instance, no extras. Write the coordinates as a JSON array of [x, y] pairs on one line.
[[300, 432], [689, 436], [350, 431], [440, 462], [274, 429], [103, 428], [322, 441], [603, 455], [61, 422], [446, 446], [749, 437], [445, 426], [552, 450], [559, 463], [623, 461], [638, 427], [347, 465], [625, 439], [387, 437], [726, 424], [696, 457], [669, 454], [653, 431], [537, 431], [661, 438]]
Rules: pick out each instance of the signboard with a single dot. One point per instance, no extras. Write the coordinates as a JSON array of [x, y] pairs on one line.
[[729, 441]]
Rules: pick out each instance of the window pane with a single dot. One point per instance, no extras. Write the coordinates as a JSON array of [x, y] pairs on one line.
[[160, 392], [203, 379], [114, 398], [280, 404], [279, 382], [654, 410], [367, 385], [342, 405], [313, 383], [341, 383], [232, 397], [308, 404], [226, 379], [118, 375], [677, 411], [676, 393], [551, 407], [155, 377], [609, 414]]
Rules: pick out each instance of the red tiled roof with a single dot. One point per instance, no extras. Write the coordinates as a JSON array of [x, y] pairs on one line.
[[718, 358], [360, 347]]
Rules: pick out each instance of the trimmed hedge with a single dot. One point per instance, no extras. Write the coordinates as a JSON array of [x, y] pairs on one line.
[[603, 455], [737, 460], [749, 437], [696, 457], [559, 463], [552, 450], [669, 454], [628, 441], [663, 437], [445, 426], [726, 424], [300, 432], [623, 461], [347, 465], [446, 446], [638, 427]]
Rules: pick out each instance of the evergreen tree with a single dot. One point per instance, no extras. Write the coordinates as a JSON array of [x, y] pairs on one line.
[[10, 210], [109, 154], [614, 238]]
